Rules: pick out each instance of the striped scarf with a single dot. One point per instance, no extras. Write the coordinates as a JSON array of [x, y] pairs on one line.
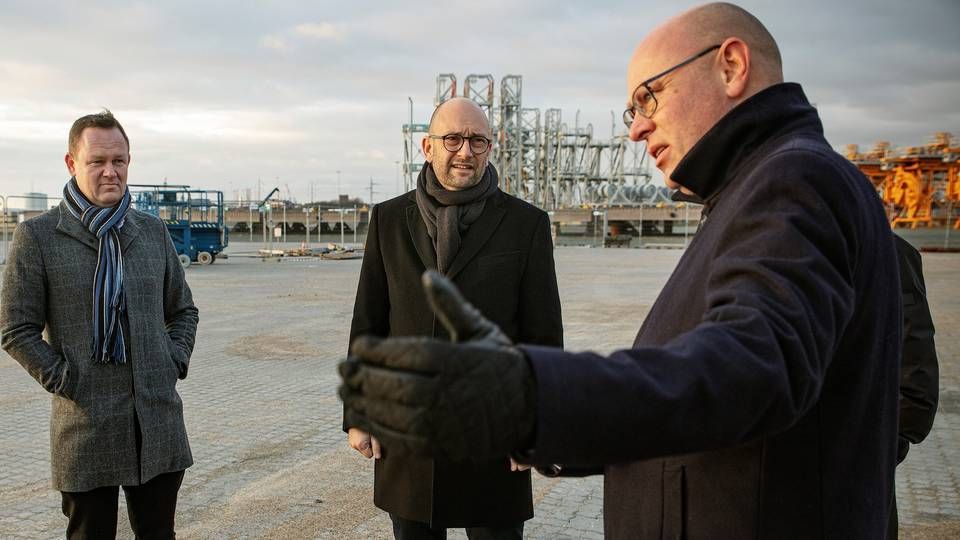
[[108, 302]]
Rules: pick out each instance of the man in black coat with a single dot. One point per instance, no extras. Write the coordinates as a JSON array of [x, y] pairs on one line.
[[919, 370], [759, 399], [498, 251]]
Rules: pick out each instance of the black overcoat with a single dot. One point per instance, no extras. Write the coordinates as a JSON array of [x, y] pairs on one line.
[[919, 369], [760, 397], [505, 268]]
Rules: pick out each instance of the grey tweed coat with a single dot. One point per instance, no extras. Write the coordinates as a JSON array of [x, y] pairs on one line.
[[46, 326]]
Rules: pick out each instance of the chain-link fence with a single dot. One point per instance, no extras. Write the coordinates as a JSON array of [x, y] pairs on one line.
[[644, 226]]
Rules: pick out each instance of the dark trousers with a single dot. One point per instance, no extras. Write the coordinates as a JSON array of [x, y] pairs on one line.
[[405, 529], [151, 508]]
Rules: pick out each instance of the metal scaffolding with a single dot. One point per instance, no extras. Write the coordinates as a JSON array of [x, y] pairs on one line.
[[412, 155], [540, 158]]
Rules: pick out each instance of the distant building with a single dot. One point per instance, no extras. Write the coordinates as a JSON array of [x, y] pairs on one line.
[[35, 202]]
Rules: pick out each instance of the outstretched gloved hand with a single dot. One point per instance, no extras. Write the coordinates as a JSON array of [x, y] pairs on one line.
[[473, 398]]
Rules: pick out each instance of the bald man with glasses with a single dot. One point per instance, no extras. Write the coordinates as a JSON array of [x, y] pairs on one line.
[[759, 398], [498, 250]]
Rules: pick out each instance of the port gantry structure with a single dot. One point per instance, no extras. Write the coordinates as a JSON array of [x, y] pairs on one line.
[[540, 157]]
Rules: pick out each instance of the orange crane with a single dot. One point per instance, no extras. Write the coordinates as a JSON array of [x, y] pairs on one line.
[[873, 165], [951, 155], [920, 185]]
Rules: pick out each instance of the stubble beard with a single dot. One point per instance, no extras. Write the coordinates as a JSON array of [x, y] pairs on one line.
[[450, 180]]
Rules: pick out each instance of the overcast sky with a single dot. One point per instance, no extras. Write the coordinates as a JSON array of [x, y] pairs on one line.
[[220, 94]]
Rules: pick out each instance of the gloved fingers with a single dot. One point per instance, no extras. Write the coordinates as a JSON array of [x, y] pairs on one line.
[[397, 442], [422, 355], [365, 413], [404, 387], [409, 419], [401, 387], [462, 320], [381, 437], [352, 415], [349, 369], [397, 428]]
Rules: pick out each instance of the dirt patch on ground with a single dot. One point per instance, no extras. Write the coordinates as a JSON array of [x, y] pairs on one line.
[[328, 496], [271, 347], [948, 529]]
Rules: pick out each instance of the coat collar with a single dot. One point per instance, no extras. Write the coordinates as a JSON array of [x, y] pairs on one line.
[[720, 154], [473, 240], [72, 226]]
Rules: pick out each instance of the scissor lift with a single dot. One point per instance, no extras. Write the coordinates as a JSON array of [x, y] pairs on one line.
[[194, 218]]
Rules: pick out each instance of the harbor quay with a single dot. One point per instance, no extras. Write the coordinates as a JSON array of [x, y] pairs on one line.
[[264, 420]]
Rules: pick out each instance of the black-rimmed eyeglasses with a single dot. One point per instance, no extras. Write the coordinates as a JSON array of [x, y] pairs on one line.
[[645, 104], [454, 142]]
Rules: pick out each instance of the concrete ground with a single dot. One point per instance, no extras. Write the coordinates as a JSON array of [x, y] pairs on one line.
[[264, 419]]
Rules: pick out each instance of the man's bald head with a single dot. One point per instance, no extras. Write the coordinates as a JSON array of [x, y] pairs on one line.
[[460, 168], [691, 71], [714, 23], [456, 108], [719, 21]]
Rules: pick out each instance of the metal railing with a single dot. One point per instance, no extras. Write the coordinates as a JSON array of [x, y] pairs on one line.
[[9, 219], [3, 246]]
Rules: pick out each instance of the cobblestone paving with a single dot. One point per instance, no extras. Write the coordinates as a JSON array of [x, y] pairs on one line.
[[264, 420]]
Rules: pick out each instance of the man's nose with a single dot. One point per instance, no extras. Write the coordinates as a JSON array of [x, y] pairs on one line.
[[641, 128], [465, 150], [109, 170]]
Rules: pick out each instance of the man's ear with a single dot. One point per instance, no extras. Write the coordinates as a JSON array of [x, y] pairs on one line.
[[426, 145], [71, 164], [735, 66]]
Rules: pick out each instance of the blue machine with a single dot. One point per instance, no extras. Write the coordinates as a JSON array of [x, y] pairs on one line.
[[194, 218]]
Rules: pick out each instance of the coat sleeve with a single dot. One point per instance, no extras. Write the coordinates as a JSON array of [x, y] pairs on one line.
[[919, 371], [779, 294], [23, 314], [179, 313], [371, 309], [539, 307]]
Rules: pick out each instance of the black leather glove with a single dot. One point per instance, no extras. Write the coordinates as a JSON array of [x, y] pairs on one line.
[[474, 398]]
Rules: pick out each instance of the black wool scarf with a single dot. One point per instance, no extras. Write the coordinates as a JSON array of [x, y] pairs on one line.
[[447, 214]]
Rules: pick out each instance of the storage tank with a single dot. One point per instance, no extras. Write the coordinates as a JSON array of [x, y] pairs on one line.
[[35, 202]]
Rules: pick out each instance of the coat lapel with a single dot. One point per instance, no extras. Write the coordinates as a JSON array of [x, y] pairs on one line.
[[478, 234], [130, 229], [71, 226], [421, 239]]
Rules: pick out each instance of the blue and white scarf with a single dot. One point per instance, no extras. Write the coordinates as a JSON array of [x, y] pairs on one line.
[[108, 302]]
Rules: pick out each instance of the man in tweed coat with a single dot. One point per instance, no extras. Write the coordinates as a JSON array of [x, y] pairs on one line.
[[110, 358]]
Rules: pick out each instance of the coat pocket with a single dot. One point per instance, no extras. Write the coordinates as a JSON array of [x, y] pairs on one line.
[[170, 350], [73, 373]]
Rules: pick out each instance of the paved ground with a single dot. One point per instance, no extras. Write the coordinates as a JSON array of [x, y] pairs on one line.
[[264, 420]]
